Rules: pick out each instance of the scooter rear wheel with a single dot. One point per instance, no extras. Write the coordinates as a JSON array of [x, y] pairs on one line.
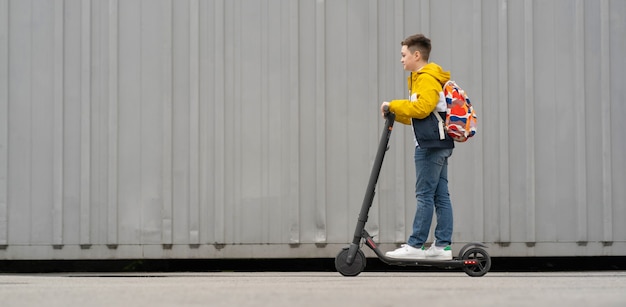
[[483, 262], [354, 269]]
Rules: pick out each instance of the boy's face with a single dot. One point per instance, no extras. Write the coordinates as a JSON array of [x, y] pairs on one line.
[[409, 60]]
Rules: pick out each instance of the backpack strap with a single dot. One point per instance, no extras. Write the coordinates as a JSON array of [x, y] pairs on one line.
[[442, 132]]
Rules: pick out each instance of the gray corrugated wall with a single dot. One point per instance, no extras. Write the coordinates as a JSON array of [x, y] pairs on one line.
[[175, 129]]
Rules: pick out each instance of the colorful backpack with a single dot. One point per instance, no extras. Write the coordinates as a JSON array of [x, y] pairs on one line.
[[460, 120]]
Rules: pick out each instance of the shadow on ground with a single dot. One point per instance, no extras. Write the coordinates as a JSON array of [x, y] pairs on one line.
[[530, 264]]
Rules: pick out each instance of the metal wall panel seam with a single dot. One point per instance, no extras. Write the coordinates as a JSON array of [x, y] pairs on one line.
[[346, 45], [95, 85], [398, 198], [373, 94], [278, 152], [605, 95], [479, 167], [85, 134], [167, 223], [263, 100], [104, 95], [26, 99], [278, 107], [489, 112], [477, 64], [203, 130], [57, 152], [100, 108], [140, 151], [237, 99], [218, 124], [112, 177], [503, 126], [293, 194], [529, 120], [206, 150], [320, 128], [229, 161], [271, 106], [275, 107], [194, 128], [403, 154], [4, 120], [580, 148], [343, 136], [546, 164], [383, 205]]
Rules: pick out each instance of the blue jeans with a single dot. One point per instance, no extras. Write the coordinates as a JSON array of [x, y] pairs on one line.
[[431, 191]]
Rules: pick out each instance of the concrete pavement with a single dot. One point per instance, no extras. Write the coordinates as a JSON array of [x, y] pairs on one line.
[[319, 289]]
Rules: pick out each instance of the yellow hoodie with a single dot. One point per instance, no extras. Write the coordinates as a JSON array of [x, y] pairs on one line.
[[424, 88]]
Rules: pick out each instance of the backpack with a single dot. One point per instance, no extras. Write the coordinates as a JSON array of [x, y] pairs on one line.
[[460, 123]]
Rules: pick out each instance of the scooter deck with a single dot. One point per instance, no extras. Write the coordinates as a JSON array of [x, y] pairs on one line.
[[452, 263]]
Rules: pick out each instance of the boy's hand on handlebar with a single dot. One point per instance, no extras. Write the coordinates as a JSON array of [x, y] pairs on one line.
[[384, 108]]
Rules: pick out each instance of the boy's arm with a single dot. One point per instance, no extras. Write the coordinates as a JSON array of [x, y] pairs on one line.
[[428, 89], [400, 118], [403, 120]]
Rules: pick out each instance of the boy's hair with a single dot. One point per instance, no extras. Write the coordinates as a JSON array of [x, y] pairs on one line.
[[418, 42]]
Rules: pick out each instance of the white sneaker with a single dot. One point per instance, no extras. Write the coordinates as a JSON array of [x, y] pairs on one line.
[[439, 252], [407, 252]]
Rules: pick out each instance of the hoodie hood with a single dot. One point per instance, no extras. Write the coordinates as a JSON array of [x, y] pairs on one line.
[[433, 70]]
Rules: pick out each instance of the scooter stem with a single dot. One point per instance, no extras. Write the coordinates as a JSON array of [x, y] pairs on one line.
[[371, 186]]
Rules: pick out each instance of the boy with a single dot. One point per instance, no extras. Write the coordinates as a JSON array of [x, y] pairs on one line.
[[431, 153]]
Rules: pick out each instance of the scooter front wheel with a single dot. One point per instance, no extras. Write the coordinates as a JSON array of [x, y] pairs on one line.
[[354, 269]]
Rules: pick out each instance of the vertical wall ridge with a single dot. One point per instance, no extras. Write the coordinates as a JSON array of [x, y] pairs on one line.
[[85, 126], [194, 128], [167, 214], [4, 120], [263, 120], [320, 115], [292, 200], [219, 123], [238, 124], [503, 124], [372, 80], [57, 151], [479, 195], [581, 127], [529, 124], [113, 124], [605, 97], [401, 210]]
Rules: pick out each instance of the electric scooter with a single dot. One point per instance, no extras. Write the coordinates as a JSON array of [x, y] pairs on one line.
[[472, 258]]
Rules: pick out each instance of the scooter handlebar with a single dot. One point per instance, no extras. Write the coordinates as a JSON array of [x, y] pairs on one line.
[[387, 113]]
